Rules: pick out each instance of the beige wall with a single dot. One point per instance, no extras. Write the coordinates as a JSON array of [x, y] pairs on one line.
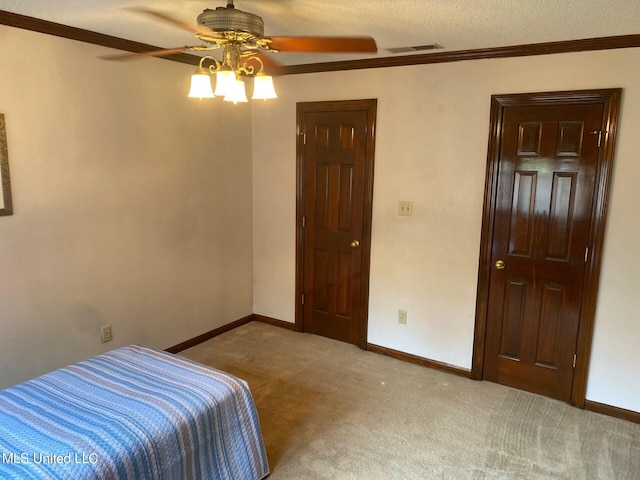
[[432, 131], [132, 205]]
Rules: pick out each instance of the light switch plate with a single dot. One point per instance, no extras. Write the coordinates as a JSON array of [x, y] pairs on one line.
[[405, 209]]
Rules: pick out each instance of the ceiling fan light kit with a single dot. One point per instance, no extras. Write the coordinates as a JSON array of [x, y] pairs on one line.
[[229, 83], [241, 36]]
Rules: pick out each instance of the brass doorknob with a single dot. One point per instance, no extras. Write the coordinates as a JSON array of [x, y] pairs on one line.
[[500, 265], [355, 244]]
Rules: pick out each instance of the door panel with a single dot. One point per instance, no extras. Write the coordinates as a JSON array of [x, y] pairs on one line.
[[550, 322], [336, 161], [544, 203]]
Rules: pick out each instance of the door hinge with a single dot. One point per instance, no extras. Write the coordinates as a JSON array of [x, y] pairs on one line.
[[575, 356], [302, 300], [304, 138], [586, 255], [304, 222], [599, 132]]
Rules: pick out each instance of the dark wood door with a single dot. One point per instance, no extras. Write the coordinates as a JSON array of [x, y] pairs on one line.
[[336, 161], [544, 205]]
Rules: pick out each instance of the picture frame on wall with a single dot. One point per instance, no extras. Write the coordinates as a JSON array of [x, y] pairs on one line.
[[6, 202]]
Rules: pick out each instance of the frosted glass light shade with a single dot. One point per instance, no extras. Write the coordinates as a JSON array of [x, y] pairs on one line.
[[224, 82], [237, 93], [263, 88], [201, 86]]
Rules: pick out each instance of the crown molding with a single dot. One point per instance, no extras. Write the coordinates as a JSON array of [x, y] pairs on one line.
[[73, 33], [548, 48]]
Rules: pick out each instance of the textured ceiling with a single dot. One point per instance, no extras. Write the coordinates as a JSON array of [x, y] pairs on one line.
[[454, 24]]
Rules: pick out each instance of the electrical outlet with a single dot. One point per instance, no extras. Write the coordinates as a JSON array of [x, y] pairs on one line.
[[402, 317], [405, 209], [107, 334]]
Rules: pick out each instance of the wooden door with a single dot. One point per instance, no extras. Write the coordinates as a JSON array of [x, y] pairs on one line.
[[335, 184], [548, 163]]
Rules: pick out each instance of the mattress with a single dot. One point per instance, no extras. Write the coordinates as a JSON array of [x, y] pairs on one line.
[[132, 413]]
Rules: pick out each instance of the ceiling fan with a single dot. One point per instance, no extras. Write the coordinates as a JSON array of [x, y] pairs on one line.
[[241, 35]]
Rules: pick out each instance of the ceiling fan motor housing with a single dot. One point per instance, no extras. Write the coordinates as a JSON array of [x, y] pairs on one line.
[[231, 20]]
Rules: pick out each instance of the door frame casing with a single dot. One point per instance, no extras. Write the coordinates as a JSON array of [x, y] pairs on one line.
[[610, 99], [302, 108]]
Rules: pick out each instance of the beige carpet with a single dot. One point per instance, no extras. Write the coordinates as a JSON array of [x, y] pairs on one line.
[[329, 410]]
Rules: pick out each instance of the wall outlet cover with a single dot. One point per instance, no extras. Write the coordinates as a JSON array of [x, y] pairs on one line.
[[106, 333], [405, 209]]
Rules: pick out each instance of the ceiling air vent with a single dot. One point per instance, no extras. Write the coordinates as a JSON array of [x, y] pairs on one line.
[[418, 48]]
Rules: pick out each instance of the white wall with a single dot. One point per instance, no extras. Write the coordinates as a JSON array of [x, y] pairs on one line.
[[132, 205], [431, 145]]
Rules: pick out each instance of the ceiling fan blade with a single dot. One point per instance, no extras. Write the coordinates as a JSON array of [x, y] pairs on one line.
[[193, 28], [323, 44], [151, 53]]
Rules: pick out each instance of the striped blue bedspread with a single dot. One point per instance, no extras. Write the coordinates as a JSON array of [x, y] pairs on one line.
[[132, 413]]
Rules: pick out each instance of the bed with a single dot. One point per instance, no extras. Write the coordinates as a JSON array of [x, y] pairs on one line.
[[132, 413]]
